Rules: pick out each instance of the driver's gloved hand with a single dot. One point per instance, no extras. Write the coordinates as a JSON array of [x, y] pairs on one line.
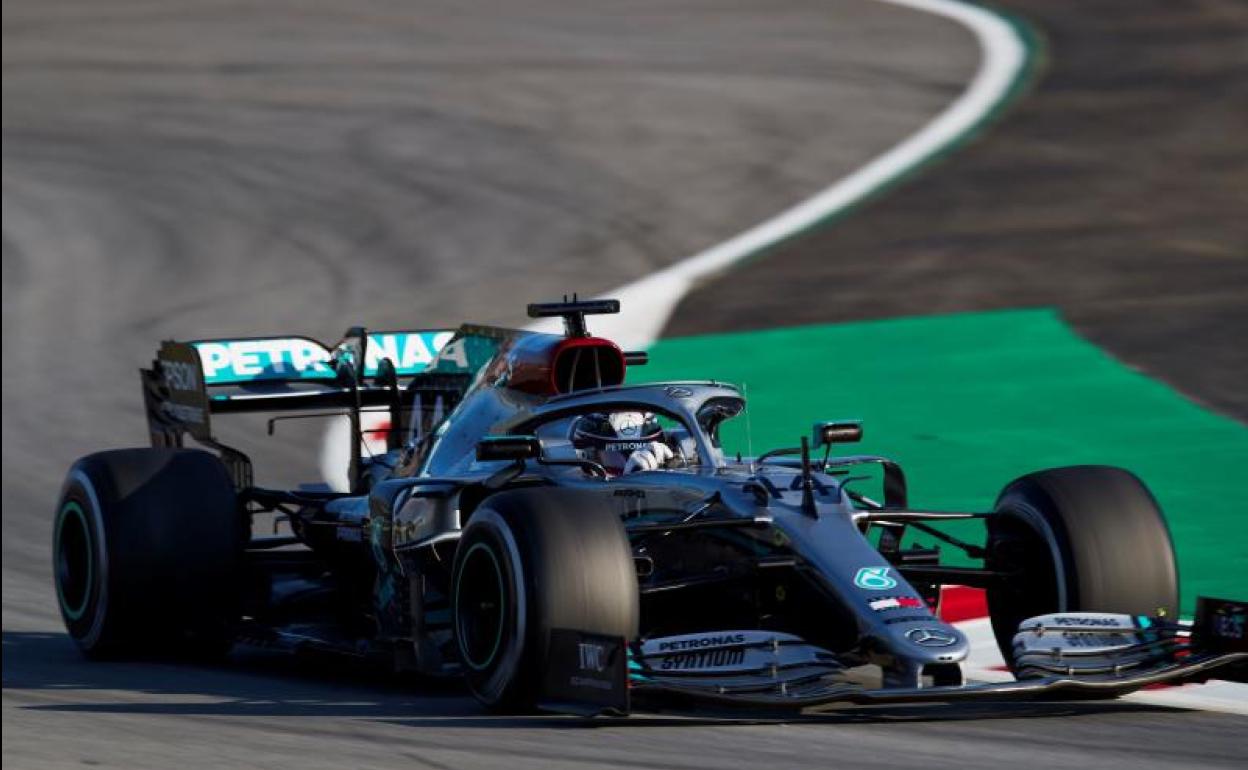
[[651, 458]]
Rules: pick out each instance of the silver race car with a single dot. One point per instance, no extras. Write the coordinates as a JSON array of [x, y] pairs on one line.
[[563, 540]]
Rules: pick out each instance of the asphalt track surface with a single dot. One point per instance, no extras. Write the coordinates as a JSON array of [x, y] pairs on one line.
[[234, 169]]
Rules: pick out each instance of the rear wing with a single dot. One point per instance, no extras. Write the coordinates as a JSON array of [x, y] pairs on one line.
[[293, 359], [190, 382]]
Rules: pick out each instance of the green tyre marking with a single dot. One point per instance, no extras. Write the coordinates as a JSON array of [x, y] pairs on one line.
[[75, 614]]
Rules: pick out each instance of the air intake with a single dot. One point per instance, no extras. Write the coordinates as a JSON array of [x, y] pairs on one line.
[[586, 363]]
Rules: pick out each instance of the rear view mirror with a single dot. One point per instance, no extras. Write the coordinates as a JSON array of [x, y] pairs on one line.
[[837, 432], [493, 448]]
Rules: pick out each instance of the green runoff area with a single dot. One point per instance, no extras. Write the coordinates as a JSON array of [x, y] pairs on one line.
[[968, 402]]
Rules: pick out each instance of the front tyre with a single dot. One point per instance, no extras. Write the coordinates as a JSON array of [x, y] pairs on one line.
[[1083, 538], [531, 561], [146, 547]]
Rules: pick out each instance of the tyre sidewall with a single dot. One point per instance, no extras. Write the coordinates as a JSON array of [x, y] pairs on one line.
[[167, 539], [498, 681], [1022, 509], [86, 626], [569, 566]]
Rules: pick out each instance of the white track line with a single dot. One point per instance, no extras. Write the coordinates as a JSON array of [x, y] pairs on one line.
[[647, 304]]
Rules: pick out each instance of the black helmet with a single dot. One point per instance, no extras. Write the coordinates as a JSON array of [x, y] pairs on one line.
[[609, 439]]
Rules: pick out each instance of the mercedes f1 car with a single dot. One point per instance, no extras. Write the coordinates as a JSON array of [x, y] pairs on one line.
[[561, 539]]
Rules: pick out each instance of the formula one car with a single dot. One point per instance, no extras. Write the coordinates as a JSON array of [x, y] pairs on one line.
[[563, 540]]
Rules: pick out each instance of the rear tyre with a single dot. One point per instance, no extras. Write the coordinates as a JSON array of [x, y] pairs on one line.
[[1083, 538], [146, 548], [530, 561]]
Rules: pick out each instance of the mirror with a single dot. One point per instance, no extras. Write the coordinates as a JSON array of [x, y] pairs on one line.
[[837, 432], [493, 448]]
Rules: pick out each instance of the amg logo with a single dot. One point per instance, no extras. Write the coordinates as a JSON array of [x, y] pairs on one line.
[[685, 661], [592, 658], [1071, 621], [702, 641]]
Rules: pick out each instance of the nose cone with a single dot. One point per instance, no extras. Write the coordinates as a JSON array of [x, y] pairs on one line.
[[934, 643], [913, 647], [916, 645]]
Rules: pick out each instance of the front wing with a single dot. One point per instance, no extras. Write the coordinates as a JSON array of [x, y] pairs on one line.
[[761, 669], [1196, 668]]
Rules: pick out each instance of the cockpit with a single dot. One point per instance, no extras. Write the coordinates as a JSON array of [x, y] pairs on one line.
[[636, 428]]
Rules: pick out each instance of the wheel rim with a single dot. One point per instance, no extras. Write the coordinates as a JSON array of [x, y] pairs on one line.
[[75, 561], [480, 607]]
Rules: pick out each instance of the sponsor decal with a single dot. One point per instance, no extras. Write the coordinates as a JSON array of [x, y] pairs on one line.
[[182, 412], [896, 603], [907, 619], [771, 654], [1076, 639], [875, 579], [181, 375], [932, 637], [676, 391], [728, 652], [586, 670], [713, 658], [185, 402], [627, 446], [1064, 620], [592, 656], [293, 358], [627, 424], [693, 643]]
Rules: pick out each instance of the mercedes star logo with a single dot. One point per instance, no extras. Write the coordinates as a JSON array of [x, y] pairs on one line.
[[931, 637]]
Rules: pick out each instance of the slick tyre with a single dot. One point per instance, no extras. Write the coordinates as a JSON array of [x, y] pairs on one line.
[[146, 552], [530, 561], [1084, 538]]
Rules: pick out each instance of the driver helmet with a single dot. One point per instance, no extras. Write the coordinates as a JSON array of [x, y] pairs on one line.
[[609, 439]]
